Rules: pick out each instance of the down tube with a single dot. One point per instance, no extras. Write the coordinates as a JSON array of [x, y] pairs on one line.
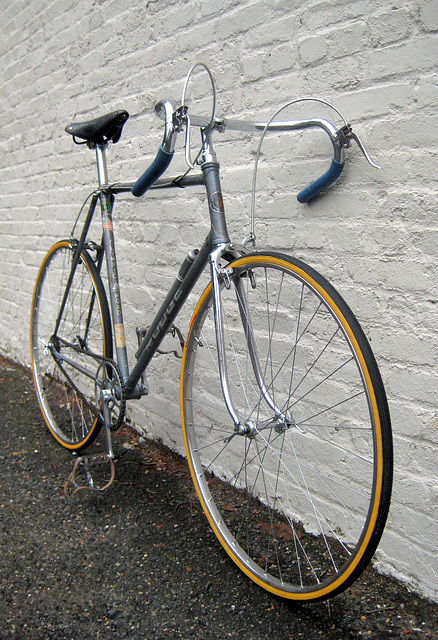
[[166, 315]]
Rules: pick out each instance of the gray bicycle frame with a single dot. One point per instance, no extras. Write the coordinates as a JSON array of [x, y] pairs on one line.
[[216, 245]]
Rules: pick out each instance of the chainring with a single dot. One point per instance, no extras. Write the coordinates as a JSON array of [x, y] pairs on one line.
[[117, 405]]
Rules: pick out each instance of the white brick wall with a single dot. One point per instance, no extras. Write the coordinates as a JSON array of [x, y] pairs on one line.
[[375, 235]]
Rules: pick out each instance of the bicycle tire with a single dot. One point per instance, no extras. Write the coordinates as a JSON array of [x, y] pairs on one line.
[[299, 503], [85, 329]]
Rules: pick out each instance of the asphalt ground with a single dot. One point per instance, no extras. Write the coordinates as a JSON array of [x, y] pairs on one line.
[[139, 560]]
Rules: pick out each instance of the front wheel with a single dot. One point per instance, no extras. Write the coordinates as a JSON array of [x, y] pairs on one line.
[[299, 495]]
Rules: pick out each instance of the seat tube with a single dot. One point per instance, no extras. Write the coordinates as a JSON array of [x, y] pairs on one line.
[[106, 202]]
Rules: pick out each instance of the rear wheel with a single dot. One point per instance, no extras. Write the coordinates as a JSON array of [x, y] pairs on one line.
[[300, 497], [64, 365]]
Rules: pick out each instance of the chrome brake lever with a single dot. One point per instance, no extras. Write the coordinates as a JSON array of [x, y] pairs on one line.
[[187, 155], [344, 137], [181, 118], [359, 143]]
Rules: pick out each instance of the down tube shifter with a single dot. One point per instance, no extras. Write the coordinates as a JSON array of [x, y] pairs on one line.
[[188, 275]]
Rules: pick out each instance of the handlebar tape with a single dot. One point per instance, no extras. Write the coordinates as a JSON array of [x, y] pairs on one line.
[[152, 173], [321, 183]]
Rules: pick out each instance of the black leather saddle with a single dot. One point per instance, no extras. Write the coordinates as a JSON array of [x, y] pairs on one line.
[[99, 130]]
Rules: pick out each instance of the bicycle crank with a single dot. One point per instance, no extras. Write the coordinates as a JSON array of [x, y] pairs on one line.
[[110, 394]]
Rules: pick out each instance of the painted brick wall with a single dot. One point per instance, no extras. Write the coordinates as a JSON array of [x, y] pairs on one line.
[[374, 235]]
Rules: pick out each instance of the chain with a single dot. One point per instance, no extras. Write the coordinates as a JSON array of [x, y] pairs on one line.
[[94, 410]]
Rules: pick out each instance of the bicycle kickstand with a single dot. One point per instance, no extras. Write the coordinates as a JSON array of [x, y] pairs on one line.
[[83, 463]]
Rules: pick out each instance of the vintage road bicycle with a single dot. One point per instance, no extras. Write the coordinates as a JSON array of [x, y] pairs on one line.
[[284, 414]]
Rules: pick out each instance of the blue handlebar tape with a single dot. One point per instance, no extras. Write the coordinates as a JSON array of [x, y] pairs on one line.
[[321, 183], [152, 173]]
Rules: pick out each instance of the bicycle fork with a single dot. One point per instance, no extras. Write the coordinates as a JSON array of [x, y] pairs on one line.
[[218, 274]]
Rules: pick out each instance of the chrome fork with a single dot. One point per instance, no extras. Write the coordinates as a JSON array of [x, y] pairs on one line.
[[218, 273]]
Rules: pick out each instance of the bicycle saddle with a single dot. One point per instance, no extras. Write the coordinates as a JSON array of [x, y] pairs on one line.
[[99, 130]]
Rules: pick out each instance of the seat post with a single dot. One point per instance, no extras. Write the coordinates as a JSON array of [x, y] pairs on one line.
[[102, 172]]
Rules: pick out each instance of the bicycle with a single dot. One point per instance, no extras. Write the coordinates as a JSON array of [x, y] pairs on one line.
[[284, 414]]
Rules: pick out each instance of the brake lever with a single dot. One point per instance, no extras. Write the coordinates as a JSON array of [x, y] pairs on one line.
[[181, 118], [187, 154], [345, 135]]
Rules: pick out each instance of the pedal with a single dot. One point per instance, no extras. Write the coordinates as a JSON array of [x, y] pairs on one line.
[[82, 465], [105, 398]]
